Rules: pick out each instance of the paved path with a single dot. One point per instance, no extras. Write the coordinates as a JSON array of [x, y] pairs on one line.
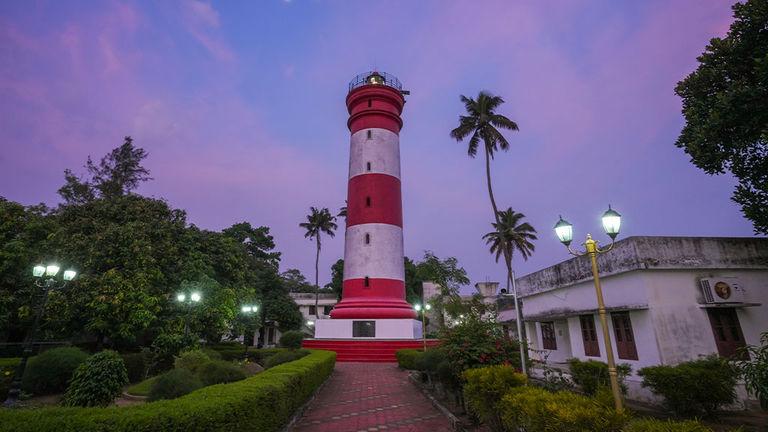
[[371, 397]]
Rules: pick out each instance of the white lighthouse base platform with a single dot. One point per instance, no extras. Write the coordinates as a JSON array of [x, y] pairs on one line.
[[376, 329]]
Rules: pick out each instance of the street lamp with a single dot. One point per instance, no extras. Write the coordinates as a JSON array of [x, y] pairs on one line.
[[45, 278], [249, 311], [188, 301], [611, 223], [423, 311]]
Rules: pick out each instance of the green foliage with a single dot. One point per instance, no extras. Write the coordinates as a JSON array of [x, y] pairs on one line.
[[192, 360], [7, 370], [285, 357], [477, 342], [653, 425], [174, 383], [755, 371], [337, 279], [264, 402], [592, 375], [220, 372], [291, 339], [142, 388], [408, 358], [97, 381], [536, 410], [725, 104], [50, 371], [698, 387], [137, 365], [428, 360], [164, 350], [484, 389]]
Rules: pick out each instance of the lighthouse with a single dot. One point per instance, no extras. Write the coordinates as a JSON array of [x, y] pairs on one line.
[[373, 302]]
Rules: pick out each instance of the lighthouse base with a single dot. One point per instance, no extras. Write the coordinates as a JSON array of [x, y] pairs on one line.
[[368, 329]]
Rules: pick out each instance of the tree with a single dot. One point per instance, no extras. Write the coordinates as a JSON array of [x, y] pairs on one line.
[[257, 241], [725, 104], [118, 173], [482, 123], [294, 281], [318, 222], [448, 275], [336, 284]]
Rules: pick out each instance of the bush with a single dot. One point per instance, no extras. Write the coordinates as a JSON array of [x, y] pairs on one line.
[[478, 342], [693, 388], [484, 389], [291, 339], [263, 402], [653, 425], [285, 357], [97, 381], [137, 365], [754, 370], [408, 358], [591, 375], [536, 410], [50, 371], [7, 370], [164, 350], [174, 383], [191, 360], [220, 372], [428, 360], [212, 353]]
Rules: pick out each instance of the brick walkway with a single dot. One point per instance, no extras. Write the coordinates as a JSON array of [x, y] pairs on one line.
[[371, 397]]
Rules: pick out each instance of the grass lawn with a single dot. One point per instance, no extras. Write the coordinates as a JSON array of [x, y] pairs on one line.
[[142, 388]]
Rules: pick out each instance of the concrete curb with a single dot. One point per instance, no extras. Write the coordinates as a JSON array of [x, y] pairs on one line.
[[300, 411], [455, 422]]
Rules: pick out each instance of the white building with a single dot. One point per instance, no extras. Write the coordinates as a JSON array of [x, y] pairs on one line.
[[306, 303], [669, 300]]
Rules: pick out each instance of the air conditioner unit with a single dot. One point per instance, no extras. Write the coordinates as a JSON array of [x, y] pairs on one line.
[[722, 290]]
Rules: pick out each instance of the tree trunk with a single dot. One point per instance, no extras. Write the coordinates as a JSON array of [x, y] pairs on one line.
[[490, 187], [317, 276]]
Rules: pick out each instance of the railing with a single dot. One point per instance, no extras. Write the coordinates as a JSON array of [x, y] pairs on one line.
[[388, 80]]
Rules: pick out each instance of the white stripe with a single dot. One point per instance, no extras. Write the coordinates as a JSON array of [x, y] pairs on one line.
[[381, 151], [381, 258]]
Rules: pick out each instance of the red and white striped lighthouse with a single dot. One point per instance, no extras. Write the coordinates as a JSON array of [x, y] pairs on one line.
[[374, 273]]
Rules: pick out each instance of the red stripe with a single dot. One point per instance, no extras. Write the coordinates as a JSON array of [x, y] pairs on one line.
[[375, 106], [385, 200], [377, 288]]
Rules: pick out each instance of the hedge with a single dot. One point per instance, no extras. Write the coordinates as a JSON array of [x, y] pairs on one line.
[[408, 358], [264, 402]]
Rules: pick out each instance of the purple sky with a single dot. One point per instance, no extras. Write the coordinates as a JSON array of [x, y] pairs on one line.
[[241, 108]]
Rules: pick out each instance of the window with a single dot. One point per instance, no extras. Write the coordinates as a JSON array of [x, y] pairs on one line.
[[727, 332], [367, 238], [327, 309], [548, 335], [625, 338], [589, 336], [367, 282], [363, 328], [369, 134], [312, 310], [367, 201], [368, 166]]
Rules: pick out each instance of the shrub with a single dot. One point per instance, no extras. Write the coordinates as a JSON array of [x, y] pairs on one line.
[[591, 375], [428, 360], [191, 360], [263, 402], [97, 381], [174, 383], [291, 339], [141, 388], [50, 371], [220, 372], [653, 425], [536, 410], [408, 358], [284, 357], [212, 353], [754, 370], [698, 387], [478, 342], [484, 389], [164, 350], [137, 365], [7, 370]]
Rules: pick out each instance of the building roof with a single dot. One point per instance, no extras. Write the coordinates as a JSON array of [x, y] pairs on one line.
[[653, 253]]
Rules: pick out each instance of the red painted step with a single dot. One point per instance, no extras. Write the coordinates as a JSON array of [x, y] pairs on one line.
[[369, 351]]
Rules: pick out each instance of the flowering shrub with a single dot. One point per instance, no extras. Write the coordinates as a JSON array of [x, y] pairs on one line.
[[477, 342]]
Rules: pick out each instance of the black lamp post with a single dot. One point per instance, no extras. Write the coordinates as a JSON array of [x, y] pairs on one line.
[[188, 301], [249, 312], [46, 279]]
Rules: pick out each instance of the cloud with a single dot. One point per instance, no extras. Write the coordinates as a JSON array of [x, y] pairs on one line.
[[202, 22]]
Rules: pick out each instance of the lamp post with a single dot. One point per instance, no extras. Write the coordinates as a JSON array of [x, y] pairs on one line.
[[423, 311], [46, 279], [249, 311], [188, 301], [611, 224]]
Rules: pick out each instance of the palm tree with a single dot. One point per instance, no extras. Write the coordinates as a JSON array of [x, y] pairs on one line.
[[482, 123], [511, 234], [318, 222]]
